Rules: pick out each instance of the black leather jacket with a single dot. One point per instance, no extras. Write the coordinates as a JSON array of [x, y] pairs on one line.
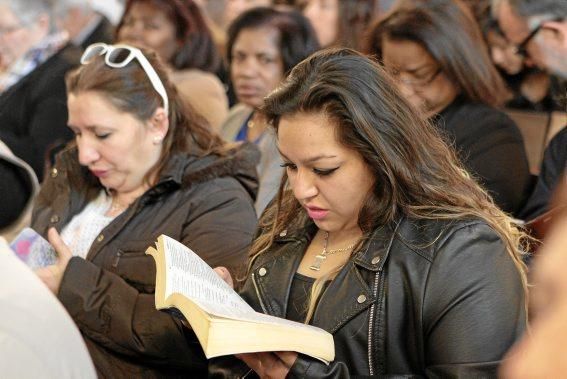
[[426, 298]]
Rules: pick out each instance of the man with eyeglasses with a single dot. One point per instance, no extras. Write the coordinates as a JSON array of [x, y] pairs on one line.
[[538, 29]]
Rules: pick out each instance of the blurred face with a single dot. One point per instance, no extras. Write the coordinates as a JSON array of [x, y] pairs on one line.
[[420, 78], [503, 54], [257, 65], [15, 37], [328, 179], [540, 354], [324, 16], [115, 146], [546, 50], [147, 26]]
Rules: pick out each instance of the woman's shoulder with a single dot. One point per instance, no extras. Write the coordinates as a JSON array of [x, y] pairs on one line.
[[428, 237]]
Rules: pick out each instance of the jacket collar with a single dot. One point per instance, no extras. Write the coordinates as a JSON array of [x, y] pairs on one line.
[[183, 170], [375, 249]]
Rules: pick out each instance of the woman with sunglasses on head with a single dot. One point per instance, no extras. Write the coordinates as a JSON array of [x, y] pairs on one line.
[[177, 31], [436, 51], [379, 237], [142, 165]]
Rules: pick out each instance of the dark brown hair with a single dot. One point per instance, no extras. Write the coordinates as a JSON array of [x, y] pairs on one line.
[[448, 31], [416, 174], [197, 46], [129, 90], [296, 38]]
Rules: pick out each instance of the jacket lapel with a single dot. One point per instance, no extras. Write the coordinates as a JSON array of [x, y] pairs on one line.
[[351, 291]]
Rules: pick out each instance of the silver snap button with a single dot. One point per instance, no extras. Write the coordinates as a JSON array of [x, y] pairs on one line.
[[100, 238], [54, 172], [283, 233], [361, 299], [375, 260], [262, 271], [54, 219]]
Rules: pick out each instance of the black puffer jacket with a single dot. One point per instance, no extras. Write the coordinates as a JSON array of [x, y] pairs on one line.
[[205, 203], [434, 299]]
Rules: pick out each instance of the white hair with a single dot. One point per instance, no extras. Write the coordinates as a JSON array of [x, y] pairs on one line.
[[28, 11], [61, 7]]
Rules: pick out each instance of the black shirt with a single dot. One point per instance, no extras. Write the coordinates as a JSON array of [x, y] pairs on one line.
[[491, 148]]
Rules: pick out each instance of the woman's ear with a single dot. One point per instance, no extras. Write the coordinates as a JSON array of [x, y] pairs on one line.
[[159, 124]]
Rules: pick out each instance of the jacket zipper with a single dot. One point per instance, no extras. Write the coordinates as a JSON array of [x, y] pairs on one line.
[[258, 294], [371, 325]]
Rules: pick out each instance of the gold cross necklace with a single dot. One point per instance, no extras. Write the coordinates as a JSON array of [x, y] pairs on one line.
[[320, 258]]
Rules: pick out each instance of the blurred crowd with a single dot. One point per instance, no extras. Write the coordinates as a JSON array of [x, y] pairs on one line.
[[418, 146]]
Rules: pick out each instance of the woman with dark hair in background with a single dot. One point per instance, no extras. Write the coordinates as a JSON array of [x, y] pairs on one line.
[[340, 22], [379, 237], [143, 165], [436, 51], [176, 30], [263, 45]]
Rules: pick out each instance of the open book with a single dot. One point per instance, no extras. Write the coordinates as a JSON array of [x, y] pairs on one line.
[[223, 322]]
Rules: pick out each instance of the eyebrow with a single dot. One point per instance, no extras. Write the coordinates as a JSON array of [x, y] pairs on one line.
[[309, 160], [90, 127], [420, 68]]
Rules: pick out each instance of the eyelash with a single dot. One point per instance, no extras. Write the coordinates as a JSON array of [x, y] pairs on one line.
[[328, 172], [102, 136]]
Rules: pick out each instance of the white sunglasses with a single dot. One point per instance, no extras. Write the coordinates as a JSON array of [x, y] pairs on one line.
[[111, 58]]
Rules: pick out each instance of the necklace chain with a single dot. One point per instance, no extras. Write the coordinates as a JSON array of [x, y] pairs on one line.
[[334, 251], [116, 206], [320, 258]]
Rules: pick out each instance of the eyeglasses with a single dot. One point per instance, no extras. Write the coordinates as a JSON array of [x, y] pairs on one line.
[[521, 48], [417, 82], [114, 57]]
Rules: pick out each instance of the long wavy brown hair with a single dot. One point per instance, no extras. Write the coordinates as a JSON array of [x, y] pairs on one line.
[[416, 174]]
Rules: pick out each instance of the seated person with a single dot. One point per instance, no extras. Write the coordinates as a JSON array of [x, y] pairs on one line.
[[33, 111], [531, 88], [379, 236], [436, 51], [263, 46], [177, 31], [143, 164]]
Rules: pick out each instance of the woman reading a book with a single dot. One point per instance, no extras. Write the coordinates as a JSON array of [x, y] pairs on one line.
[[143, 164], [379, 236]]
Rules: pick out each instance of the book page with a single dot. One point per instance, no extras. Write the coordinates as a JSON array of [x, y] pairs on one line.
[[190, 276]]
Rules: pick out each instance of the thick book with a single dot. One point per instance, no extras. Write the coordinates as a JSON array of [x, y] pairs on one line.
[[223, 322]]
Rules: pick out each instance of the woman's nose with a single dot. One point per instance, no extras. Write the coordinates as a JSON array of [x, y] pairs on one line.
[[88, 154], [303, 185]]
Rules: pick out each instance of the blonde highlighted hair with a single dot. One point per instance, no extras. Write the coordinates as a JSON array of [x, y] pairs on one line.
[[416, 174]]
